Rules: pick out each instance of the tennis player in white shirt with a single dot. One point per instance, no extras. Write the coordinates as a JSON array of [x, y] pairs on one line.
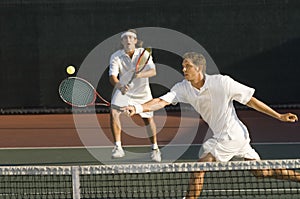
[[122, 66], [212, 97]]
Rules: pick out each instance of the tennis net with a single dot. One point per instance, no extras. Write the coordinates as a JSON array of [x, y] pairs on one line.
[[155, 180]]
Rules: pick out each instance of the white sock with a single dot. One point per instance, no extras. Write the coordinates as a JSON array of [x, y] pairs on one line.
[[154, 146], [118, 144]]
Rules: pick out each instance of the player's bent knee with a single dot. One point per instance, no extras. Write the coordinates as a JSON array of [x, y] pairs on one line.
[[114, 113]]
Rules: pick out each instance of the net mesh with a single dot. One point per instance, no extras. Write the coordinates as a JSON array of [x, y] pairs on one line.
[[164, 180]]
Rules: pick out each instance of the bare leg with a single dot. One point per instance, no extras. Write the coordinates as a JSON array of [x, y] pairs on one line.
[[115, 124], [281, 174], [151, 129], [197, 179]]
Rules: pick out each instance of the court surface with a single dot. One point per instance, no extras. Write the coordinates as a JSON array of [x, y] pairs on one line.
[[62, 139]]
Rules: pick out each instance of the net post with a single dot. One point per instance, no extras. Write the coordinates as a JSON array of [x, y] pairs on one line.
[[75, 182]]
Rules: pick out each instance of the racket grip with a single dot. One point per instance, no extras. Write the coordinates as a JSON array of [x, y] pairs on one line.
[[124, 90], [129, 85]]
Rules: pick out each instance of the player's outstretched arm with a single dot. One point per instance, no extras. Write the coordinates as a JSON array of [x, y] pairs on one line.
[[262, 107], [152, 105]]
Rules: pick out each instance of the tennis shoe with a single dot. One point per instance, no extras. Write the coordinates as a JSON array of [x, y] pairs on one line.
[[117, 152], [156, 155]]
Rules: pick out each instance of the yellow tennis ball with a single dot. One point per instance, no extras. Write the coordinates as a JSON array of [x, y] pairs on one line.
[[71, 70]]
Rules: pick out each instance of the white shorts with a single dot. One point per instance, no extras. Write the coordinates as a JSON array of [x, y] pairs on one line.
[[225, 150], [124, 100]]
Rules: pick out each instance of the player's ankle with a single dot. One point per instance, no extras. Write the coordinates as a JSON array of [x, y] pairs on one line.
[[154, 146]]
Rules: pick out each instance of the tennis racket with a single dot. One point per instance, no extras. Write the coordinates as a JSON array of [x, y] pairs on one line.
[[78, 92], [141, 62]]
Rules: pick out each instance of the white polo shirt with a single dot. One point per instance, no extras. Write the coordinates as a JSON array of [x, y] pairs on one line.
[[122, 66], [214, 102]]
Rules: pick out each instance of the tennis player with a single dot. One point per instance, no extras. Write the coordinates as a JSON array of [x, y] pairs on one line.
[[122, 67], [212, 97]]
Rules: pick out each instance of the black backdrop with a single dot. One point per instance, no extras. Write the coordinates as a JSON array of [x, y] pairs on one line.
[[256, 42]]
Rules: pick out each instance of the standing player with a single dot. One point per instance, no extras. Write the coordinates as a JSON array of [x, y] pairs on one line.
[[122, 65], [212, 97]]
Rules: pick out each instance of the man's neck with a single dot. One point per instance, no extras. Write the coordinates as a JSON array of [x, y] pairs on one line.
[[199, 82], [129, 52]]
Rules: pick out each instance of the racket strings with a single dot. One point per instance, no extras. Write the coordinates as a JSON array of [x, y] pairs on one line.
[[77, 92], [143, 60], [141, 63]]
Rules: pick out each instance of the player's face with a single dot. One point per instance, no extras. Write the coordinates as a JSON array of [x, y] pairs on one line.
[[128, 42], [189, 70]]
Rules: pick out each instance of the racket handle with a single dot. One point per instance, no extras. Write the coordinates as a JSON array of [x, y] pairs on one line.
[[129, 85], [132, 78]]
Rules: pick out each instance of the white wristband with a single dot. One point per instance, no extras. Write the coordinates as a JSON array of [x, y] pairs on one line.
[[138, 108]]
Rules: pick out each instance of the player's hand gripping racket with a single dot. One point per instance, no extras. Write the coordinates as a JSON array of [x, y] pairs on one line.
[[78, 92], [141, 63]]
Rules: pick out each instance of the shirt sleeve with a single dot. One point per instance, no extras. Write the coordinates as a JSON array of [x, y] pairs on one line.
[[150, 64], [114, 66], [175, 95], [170, 97], [238, 91]]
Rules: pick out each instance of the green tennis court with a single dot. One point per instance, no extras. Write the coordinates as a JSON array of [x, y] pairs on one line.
[[83, 156], [42, 156]]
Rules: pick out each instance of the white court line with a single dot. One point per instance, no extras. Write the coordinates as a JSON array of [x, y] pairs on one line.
[[133, 146]]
